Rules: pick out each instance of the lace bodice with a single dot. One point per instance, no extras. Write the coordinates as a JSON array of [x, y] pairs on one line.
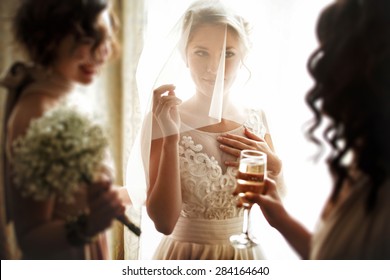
[[207, 185]]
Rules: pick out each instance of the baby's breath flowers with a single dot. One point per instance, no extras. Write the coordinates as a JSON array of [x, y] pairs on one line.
[[59, 151]]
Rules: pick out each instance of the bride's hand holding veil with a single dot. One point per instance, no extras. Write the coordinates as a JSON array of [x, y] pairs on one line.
[[165, 110]]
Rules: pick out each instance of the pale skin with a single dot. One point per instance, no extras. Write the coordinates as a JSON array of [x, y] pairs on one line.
[[41, 233], [164, 198], [234, 144]]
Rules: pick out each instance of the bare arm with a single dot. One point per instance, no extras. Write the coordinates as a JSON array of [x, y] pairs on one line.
[[271, 205], [164, 201]]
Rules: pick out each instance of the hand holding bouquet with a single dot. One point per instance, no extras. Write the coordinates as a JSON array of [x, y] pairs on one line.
[[59, 151]]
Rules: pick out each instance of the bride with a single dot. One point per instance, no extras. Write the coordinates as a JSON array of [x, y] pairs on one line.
[[190, 148]]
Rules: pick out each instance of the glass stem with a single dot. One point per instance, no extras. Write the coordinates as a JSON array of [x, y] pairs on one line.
[[245, 224]]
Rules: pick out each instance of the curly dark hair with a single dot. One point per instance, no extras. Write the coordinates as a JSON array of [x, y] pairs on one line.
[[351, 71], [40, 25]]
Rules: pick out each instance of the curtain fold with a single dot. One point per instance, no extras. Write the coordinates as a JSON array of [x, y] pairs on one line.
[[115, 96], [133, 27], [8, 244]]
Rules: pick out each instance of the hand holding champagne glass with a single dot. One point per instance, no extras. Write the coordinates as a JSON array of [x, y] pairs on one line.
[[250, 178]]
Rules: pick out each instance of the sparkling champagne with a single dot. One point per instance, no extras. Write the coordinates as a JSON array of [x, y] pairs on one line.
[[250, 177]]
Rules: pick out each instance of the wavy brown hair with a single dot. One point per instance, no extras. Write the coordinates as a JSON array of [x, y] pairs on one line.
[[351, 72], [40, 25]]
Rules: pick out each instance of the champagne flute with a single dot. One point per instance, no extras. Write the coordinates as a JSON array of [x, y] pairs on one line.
[[250, 178]]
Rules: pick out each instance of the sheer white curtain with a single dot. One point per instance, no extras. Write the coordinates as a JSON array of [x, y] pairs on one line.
[[115, 96], [283, 39]]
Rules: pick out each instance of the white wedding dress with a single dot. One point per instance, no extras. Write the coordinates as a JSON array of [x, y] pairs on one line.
[[209, 215]]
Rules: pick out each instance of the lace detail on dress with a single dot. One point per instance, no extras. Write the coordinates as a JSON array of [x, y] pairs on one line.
[[206, 191], [206, 188], [256, 123]]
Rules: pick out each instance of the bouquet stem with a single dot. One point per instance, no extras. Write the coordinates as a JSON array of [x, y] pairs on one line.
[[122, 218], [129, 224]]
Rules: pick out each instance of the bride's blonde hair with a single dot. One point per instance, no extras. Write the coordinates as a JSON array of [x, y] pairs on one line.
[[214, 12]]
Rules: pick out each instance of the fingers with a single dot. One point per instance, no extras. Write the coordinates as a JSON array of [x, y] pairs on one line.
[[269, 186], [232, 163], [164, 100], [102, 195], [166, 103], [249, 140], [247, 199], [233, 144], [269, 190], [249, 133], [230, 150], [101, 185], [103, 209], [236, 141], [108, 199], [161, 91]]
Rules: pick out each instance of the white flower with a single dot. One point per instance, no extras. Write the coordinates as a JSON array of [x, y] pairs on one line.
[[59, 151]]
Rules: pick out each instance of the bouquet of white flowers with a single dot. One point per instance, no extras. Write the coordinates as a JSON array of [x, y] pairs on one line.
[[59, 151]]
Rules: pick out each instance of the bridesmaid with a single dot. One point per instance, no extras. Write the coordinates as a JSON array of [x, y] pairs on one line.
[[65, 42]]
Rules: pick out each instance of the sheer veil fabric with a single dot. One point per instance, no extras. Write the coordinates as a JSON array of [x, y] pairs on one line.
[[171, 68]]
